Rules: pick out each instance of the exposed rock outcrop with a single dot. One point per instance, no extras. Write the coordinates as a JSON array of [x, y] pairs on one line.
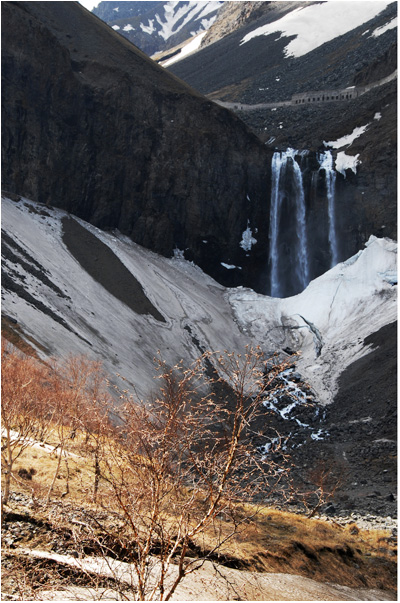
[[90, 124]]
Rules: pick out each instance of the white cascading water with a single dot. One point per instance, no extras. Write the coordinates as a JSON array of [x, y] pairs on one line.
[[303, 267], [280, 162], [326, 163]]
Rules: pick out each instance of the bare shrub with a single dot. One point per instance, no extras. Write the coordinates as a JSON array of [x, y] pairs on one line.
[[27, 408], [179, 464], [60, 399], [80, 396], [324, 479]]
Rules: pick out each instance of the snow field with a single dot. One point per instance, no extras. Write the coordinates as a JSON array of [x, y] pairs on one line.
[[317, 24]]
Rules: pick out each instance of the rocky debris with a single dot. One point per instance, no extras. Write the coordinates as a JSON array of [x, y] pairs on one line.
[[52, 545], [234, 15], [352, 439], [261, 71]]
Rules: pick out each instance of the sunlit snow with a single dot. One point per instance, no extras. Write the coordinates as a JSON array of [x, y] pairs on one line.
[[342, 304], [89, 4], [176, 17], [149, 29], [192, 46], [345, 162], [347, 140], [345, 305], [318, 23]]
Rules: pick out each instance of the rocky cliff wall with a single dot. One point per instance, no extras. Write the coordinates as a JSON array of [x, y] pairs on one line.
[[91, 125]]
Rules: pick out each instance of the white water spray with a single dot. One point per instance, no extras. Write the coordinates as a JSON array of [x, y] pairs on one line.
[[303, 268], [326, 163], [278, 160]]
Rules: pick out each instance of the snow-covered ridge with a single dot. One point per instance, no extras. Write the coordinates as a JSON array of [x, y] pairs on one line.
[[319, 23], [157, 26]]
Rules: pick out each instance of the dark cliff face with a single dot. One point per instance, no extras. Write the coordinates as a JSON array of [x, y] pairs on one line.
[[91, 125]]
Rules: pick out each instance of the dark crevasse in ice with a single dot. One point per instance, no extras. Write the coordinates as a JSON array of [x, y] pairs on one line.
[[303, 233]]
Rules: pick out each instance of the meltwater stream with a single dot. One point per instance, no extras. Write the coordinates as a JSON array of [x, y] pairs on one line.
[[289, 231]]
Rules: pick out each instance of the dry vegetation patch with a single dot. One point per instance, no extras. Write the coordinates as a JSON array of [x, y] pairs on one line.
[[162, 482]]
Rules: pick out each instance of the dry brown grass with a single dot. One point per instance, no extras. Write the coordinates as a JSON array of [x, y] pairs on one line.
[[273, 541], [257, 539]]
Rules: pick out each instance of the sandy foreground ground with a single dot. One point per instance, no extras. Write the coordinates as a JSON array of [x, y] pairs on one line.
[[212, 582]]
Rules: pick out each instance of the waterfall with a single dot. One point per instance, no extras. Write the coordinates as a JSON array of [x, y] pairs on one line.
[[326, 163], [303, 237], [285, 165], [278, 161], [303, 269]]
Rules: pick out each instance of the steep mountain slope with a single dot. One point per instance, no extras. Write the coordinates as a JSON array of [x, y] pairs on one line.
[[278, 54], [108, 11], [233, 16], [69, 287], [93, 125], [155, 26]]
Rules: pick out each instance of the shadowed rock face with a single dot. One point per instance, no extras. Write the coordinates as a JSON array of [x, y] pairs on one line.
[[93, 126]]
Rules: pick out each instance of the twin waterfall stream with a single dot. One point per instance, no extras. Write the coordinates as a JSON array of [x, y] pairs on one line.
[[290, 234]]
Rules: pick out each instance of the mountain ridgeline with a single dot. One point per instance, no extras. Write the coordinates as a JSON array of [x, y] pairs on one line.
[[156, 26]]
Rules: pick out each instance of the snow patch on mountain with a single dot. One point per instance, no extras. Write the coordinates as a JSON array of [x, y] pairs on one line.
[[177, 15], [248, 240], [345, 162], [347, 140], [149, 29], [318, 23], [192, 46]]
